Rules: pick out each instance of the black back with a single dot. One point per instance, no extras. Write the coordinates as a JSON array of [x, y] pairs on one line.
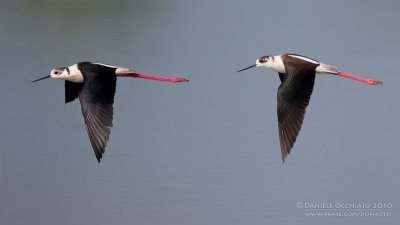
[[293, 97], [97, 98]]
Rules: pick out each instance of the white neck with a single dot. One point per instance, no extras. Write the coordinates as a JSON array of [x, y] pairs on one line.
[[275, 63], [75, 75]]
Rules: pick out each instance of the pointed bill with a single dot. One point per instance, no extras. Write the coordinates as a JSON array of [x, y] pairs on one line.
[[247, 68], [48, 76]]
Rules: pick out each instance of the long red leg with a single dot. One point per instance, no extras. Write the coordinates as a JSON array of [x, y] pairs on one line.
[[368, 81], [151, 77]]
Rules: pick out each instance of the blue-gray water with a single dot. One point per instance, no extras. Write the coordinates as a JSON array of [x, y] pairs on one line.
[[204, 152]]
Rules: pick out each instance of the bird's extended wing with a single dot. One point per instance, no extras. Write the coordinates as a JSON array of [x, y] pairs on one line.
[[72, 90], [293, 97], [97, 98]]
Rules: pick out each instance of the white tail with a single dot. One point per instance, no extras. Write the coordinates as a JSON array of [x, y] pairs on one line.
[[323, 68]]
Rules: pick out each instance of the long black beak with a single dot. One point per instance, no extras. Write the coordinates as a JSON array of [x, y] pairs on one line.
[[48, 76], [247, 68]]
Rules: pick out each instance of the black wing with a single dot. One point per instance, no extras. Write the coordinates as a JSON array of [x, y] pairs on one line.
[[97, 98], [281, 76], [293, 97], [72, 91]]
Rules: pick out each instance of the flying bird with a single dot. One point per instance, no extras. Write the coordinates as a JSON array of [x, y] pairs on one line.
[[297, 75], [94, 84]]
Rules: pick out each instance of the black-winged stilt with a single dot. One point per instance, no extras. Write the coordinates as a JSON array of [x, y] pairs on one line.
[[94, 84], [297, 75]]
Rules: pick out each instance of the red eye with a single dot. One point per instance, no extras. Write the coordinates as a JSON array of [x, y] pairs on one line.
[[56, 72]]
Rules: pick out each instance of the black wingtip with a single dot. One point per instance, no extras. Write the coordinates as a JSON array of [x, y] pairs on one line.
[[98, 157]]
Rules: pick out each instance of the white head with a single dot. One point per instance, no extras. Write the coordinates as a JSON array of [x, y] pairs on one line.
[[272, 62], [71, 73], [265, 61]]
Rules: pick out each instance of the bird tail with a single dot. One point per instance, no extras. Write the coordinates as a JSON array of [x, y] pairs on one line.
[[323, 68]]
